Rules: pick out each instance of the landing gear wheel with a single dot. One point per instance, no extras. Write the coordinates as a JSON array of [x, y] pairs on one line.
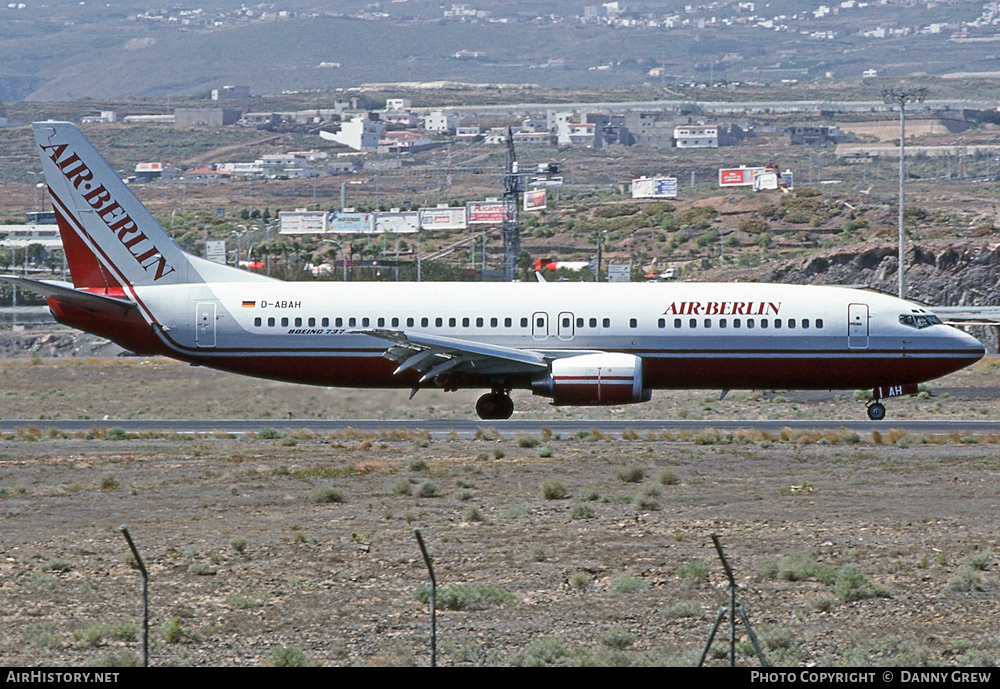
[[495, 405], [876, 411]]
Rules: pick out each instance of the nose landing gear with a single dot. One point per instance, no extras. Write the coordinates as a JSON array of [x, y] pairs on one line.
[[495, 405], [876, 410]]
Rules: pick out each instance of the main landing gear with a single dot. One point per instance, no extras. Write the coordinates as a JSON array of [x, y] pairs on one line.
[[495, 405]]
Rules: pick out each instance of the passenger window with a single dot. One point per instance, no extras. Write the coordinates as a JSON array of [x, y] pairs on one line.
[[380, 322], [352, 321], [409, 322], [565, 323], [424, 322], [607, 323], [722, 322], [325, 322], [819, 322], [693, 323], [312, 322], [593, 322], [708, 322], [270, 322], [579, 322], [479, 322], [257, 322], [633, 323], [438, 322], [749, 322], [777, 322], [763, 322], [805, 322], [394, 323], [451, 322], [662, 323], [539, 322], [507, 322], [284, 322], [339, 322], [465, 322], [524, 322], [791, 323], [298, 322], [364, 322], [494, 322], [677, 322], [736, 322]]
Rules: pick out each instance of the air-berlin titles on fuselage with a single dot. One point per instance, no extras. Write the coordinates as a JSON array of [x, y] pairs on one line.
[[113, 215], [723, 308]]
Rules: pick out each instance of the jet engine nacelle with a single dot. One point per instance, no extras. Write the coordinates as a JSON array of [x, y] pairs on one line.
[[594, 379]]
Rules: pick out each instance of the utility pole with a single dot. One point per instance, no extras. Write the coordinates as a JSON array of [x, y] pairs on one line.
[[511, 198], [901, 97]]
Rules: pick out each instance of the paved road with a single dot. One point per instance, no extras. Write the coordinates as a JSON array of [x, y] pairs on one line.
[[468, 427]]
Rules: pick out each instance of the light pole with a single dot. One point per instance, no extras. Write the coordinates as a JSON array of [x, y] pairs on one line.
[[901, 97], [342, 253]]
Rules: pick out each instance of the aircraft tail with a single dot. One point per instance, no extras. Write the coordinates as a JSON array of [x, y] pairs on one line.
[[111, 240]]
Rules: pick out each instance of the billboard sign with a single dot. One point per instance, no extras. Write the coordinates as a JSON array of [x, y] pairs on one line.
[[397, 222], [442, 218], [534, 200], [350, 223], [654, 188], [738, 176], [302, 222], [485, 212]]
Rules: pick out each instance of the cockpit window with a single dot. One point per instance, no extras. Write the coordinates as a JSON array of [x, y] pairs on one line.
[[919, 321]]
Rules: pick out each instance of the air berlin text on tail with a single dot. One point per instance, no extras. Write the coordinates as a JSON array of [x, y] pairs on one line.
[[114, 216]]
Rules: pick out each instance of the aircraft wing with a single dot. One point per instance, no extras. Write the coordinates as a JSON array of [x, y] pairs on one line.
[[66, 293], [433, 355]]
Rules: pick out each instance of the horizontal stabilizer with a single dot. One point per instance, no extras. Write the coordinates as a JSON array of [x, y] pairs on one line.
[[66, 293]]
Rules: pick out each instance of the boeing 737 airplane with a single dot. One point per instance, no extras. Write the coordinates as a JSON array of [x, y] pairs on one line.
[[576, 343]]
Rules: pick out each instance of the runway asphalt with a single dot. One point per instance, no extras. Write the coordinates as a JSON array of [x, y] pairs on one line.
[[466, 428]]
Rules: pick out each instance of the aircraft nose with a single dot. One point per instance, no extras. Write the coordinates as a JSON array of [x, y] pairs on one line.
[[969, 345]]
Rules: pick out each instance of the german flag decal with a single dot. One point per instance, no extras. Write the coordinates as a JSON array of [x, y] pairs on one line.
[[249, 304]]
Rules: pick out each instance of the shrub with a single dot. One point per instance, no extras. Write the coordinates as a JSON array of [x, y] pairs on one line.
[[401, 486], [693, 572], [268, 433], [289, 656], [325, 494], [427, 490], [965, 579], [553, 490], [467, 597], [108, 482], [117, 433], [630, 473], [668, 477], [582, 512], [173, 632], [853, 585], [626, 582]]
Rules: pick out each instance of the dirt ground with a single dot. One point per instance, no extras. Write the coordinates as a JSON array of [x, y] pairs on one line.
[[299, 548]]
